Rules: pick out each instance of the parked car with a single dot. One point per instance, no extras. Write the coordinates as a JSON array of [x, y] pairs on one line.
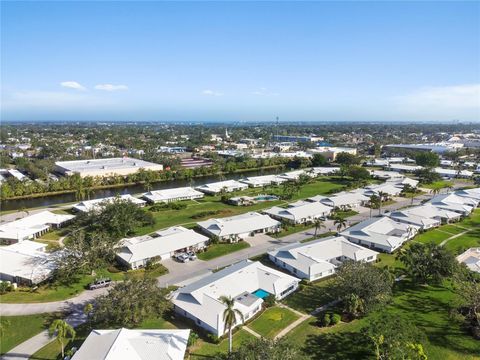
[[191, 255], [183, 258], [100, 283]]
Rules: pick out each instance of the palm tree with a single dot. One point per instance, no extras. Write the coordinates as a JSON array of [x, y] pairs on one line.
[[318, 225], [63, 332], [230, 317], [341, 223], [374, 201], [383, 196]]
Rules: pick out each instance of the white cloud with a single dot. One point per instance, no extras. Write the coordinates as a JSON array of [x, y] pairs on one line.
[[264, 92], [73, 85], [457, 96], [111, 87], [211, 93]]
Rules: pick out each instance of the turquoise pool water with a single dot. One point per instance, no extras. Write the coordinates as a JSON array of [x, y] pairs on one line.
[[262, 294], [266, 198]]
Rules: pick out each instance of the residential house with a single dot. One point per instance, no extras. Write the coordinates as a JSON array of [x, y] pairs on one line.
[[137, 344], [171, 195], [98, 204], [247, 282], [300, 213], [317, 259], [239, 227], [452, 202], [381, 233], [137, 251], [471, 258], [32, 226], [222, 186]]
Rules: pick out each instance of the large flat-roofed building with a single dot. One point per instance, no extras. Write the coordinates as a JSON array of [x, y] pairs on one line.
[[105, 167], [25, 263], [297, 138], [317, 259], [331, 152], [246, 282]]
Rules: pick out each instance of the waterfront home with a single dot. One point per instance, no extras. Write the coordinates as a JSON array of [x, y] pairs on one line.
[[222, 186], [98, 204], [171, 195], [265, 180]]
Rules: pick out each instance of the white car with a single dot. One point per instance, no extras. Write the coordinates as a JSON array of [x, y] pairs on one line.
[[191, 255], [183, 257]]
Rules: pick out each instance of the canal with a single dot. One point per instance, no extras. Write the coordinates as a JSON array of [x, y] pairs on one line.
[[59, 199]]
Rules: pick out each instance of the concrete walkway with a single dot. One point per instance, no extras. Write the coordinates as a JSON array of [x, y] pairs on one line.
[[254, 333]]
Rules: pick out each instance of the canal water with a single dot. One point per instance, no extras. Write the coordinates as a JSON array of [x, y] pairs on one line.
[[59, 199]]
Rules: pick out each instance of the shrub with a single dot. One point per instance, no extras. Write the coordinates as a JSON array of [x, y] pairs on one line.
[[4, 287], [269, 300], [326, 321], [192, 339], [213, 338], [335, 319]]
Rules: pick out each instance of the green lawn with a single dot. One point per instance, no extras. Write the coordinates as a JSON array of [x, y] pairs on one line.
[[17, 329], [309, 297], [434, 235], [203, 349], [49, 292], [217, 250], [426, 307], [272, 321], [53, 235], [437, 185], [463, 242], [189, 215]]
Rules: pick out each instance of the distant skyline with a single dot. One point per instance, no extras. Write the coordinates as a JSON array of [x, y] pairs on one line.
[[240, 61]]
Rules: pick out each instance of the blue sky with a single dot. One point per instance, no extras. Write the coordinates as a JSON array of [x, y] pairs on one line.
[[250, 61]]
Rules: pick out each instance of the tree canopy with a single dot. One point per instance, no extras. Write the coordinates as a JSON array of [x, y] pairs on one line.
[[129, 303], [263, 349], [427, 159], [370, 284], [427, 263]]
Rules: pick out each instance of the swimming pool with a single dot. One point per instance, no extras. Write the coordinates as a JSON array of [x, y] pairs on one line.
[[262, 294], [266, 198]]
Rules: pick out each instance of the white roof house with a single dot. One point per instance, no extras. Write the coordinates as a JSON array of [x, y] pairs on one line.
[[317, 259], [105, 167], [239, 226], [469, 193], [386, 175], [135, 252], [402, 182], [246, 282], [324, 170], [344, 198], [433, 212], [169, 195], [384, 233], [452, 202], [25, 263], [387, 188], [129, 344], [452, 173], [404, 168], [301, 213], [294, 175], [98, 204], [32, 226], [217, 187], [409, 217], [471, 258], [265, 180]]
